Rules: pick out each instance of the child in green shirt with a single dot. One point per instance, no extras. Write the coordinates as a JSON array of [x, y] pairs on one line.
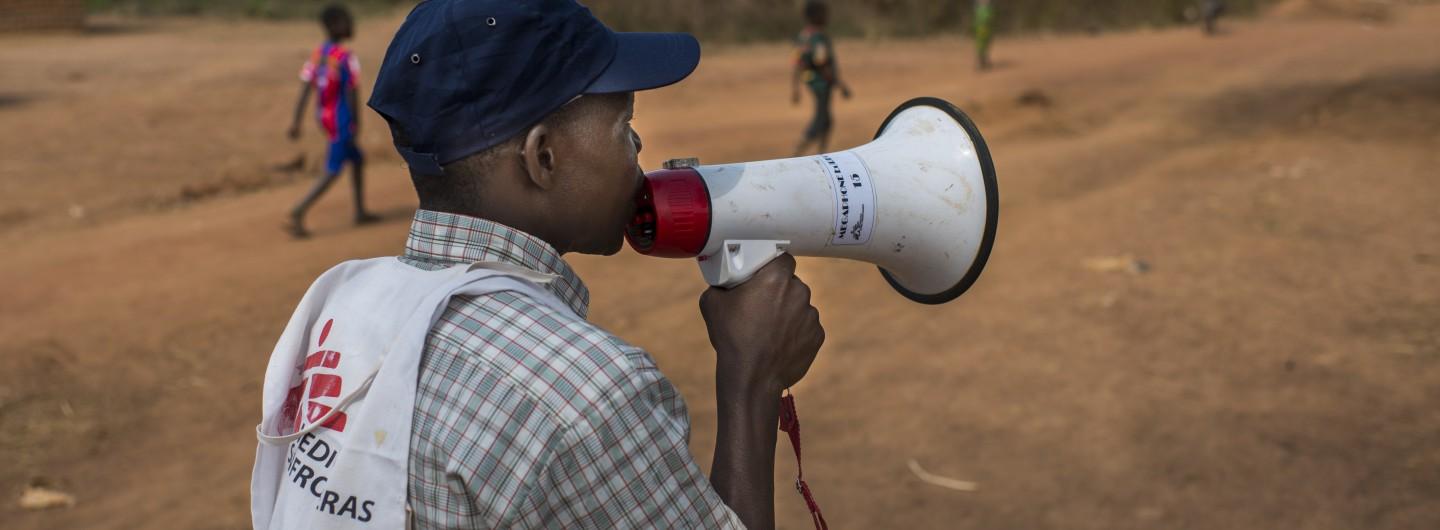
[[815, 64], [983, 15]]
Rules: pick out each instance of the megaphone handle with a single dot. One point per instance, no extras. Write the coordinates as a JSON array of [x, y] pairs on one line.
[[738, 260]]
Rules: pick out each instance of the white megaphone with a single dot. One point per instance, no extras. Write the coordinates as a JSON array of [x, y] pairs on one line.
[[919, 201]]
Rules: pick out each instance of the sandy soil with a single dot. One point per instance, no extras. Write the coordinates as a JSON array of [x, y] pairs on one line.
[[1277, 365]]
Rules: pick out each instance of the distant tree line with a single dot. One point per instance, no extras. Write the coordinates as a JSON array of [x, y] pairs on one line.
[[764, 20], [759, 20], [278, 9]]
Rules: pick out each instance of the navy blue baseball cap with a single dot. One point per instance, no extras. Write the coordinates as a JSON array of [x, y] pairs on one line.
[[462, 76]]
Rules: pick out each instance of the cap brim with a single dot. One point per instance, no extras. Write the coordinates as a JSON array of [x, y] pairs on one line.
[[647, 60]]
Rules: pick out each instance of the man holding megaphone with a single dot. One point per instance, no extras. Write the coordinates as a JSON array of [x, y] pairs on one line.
[[460, 385]]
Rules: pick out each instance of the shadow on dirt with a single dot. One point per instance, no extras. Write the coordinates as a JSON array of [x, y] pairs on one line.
[[102, 28], [1403, 106], [10, 100]]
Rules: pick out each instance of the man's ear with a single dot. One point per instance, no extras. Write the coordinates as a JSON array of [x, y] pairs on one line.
[[538, 156]]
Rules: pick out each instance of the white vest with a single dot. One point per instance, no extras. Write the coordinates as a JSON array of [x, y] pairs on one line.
[[339, 392]]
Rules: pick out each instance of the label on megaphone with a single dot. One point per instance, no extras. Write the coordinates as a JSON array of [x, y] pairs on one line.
[[854, 197]]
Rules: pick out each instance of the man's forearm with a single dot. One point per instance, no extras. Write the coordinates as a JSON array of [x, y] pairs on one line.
[[743, 472]]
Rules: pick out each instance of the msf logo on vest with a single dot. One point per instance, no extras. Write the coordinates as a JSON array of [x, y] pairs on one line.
[[317, 386]]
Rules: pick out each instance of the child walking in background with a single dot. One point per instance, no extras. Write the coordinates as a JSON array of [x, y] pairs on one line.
[[815, 63], [983, 15], [333, 73], [1210, 11]]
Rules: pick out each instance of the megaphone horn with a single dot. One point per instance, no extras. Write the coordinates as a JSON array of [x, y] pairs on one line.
[[919, 201]]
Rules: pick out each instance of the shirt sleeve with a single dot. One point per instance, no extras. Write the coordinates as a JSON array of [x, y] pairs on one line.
[[628, 465]]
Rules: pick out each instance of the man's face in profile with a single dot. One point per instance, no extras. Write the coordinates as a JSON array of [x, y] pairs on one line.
[[600, 172]]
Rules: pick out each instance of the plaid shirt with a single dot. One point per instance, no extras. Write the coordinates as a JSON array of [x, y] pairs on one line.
[[526, 417]]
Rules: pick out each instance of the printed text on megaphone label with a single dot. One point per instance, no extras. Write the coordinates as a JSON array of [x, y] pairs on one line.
[[854, 198]]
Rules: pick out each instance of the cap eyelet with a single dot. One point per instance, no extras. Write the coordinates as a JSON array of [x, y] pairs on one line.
[[490, 21], [414, 58]]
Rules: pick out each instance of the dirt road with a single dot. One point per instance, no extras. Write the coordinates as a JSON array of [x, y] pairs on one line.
[[1277, 364]]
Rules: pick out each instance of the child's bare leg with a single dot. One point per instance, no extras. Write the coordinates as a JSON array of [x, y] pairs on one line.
[[297, 215], [357, 174], [800, 147]]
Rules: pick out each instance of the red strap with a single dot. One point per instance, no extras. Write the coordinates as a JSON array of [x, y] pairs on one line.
[[790, 423]]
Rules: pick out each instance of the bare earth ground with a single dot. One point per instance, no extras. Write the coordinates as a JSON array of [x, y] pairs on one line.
[[1278, 365]]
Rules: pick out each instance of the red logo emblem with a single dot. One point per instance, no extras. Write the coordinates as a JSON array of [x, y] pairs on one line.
[[316, 384]]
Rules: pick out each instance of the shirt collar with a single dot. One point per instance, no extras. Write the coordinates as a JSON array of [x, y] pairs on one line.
[[451, 239]]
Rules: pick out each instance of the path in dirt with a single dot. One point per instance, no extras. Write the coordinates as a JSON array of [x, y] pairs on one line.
[[1277, 365]]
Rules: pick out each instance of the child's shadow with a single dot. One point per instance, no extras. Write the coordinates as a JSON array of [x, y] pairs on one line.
[[115, 27], [9, 99], [379, 220], [391, 215], [997, 65]]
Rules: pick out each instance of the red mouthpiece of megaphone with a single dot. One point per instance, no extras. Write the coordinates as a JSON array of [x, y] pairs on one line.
[[672, 215]]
